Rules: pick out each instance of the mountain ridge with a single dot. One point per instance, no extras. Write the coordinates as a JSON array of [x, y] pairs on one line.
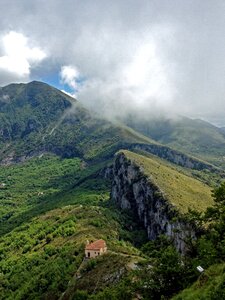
[[38, 119], [191, 136]]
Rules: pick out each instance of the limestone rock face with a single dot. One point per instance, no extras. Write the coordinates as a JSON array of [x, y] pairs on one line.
[[134, 191]]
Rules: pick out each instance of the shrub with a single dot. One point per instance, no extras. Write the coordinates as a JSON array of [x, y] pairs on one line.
[[80, 295]]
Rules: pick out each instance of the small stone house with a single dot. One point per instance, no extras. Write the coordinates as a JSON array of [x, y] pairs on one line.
[[95, 249]]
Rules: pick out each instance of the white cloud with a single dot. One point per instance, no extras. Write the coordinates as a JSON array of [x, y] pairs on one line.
[[141, 80], [147, 76], [69, 75], [68, 93], [134, 55], [18, 57]]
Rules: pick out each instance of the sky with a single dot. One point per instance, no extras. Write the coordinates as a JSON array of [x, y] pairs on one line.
[[146, 57]]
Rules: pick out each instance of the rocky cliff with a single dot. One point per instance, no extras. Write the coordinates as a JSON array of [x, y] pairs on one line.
[[134, 191]]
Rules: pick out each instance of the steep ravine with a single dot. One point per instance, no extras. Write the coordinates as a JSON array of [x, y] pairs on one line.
[[134, 191]]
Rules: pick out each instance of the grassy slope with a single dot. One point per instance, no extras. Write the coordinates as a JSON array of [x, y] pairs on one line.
[[209, 286], [181, 190], [211, 179]]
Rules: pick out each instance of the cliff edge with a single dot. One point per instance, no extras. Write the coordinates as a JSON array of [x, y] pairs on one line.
[[158, 196]]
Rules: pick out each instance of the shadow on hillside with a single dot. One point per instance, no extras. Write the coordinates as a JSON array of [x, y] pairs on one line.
[[87, 190]]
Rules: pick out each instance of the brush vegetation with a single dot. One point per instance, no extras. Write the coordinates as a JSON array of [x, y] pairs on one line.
[[50, 207]]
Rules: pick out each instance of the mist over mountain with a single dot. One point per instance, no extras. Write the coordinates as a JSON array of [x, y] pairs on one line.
[[193, 136], [112, 150], [37, 118], [117, 58]]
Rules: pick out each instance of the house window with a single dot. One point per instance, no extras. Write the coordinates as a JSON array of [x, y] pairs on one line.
[[88, 254]]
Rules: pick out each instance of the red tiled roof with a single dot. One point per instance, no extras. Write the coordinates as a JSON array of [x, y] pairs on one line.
[[97, 245]]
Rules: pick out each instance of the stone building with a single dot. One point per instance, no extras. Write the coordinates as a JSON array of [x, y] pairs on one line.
[[95, 249]]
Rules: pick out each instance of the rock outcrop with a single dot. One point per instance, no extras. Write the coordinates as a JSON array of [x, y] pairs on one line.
[[134, 191]]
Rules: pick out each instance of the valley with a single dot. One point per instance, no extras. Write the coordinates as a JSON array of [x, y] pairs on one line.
[[68, 176]]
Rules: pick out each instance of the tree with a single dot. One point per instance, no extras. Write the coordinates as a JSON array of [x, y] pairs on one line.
[[217, 212], [211, 247]]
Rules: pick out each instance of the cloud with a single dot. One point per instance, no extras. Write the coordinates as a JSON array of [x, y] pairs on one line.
[[142, 80], [68, 93], [146, 56], [5, 98], [69, 75], [18, 57]]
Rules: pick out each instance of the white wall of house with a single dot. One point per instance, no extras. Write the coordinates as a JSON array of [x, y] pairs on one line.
[[94, 253]]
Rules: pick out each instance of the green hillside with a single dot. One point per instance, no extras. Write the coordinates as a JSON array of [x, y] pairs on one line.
[[181, 190], [40, 257], [36, 118], [192, 136], [49, 208], [55, 195]]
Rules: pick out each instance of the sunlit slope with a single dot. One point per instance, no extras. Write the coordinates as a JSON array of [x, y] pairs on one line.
[[41, 256], [182, 191]]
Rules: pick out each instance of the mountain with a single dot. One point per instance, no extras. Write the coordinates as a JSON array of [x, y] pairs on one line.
[[68, 176], [36, 118], [192, 136]]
